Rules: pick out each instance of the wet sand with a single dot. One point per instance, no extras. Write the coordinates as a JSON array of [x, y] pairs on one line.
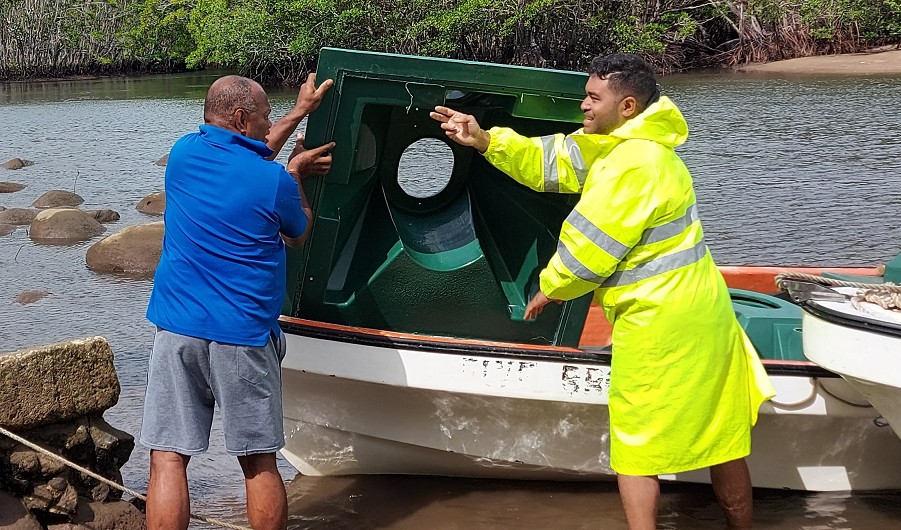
[[439, 503], [880, 61]]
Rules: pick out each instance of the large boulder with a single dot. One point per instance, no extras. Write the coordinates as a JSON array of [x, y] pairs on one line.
[[64, 224], [56, 383], [57, 198], [17, 163], [104, 216], [18, 216], [11, 187], [6, 229], [153, 204], [163, 160], [133, 250]]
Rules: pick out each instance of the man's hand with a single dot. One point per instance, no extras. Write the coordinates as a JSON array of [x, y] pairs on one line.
[[308, 100], [309, 97], [537, 303], [304, 162], [462, 128]]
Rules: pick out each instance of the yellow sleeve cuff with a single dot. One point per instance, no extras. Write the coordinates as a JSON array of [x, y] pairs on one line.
[[563, 285]]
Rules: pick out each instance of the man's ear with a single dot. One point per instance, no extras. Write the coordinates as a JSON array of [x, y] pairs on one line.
[[239, 120], [629, 107]]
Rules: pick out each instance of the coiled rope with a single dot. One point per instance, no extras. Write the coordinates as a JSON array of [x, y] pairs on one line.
[[884, 299], [885, 295], [108, 482]]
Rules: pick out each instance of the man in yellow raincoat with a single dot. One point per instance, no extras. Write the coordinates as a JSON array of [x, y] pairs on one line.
[[686, 383]]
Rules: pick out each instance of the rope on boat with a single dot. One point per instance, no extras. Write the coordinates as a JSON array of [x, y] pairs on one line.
[[835, 283], [885, 300], [885, 295], [108, 482]]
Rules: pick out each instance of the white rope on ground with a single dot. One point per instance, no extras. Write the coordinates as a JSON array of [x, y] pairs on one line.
[[108, 482]]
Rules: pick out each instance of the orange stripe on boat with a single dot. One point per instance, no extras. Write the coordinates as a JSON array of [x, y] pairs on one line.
[[422, 338]]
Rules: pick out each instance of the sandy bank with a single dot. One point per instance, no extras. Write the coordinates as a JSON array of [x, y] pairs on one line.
[[880, 61]]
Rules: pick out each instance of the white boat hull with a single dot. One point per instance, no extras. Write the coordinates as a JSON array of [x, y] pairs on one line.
[[868, 360], [365, 409]]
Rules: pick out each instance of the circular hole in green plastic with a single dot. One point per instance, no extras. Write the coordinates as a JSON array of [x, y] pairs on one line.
[[425, 168]]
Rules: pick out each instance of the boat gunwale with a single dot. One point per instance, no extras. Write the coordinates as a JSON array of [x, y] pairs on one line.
[[859, 323], [449, 345]]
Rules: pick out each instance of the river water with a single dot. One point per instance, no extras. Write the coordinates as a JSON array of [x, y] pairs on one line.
[[796, 171]]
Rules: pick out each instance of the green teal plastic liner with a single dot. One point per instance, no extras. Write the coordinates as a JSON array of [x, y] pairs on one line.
[[461, 260], [772, 324]]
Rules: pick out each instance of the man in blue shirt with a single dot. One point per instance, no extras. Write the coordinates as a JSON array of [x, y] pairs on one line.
[[217, 295]]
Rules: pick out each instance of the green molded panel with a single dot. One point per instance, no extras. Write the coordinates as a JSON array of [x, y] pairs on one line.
[[893, 270], [772, 324], [461, 263]]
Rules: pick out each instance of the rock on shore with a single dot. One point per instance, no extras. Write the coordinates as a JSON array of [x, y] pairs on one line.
[[57, 198], [66, 224], [133, 250], [11, 187], [54, 396], [103, 216], [56, 383], [153, 204], [30, 297], [17, 163], [18, 216]]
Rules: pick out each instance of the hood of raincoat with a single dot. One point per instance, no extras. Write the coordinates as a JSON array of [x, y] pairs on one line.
[[661, 122]]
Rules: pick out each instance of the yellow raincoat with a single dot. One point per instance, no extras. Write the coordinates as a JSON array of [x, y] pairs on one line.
[[686, 383]]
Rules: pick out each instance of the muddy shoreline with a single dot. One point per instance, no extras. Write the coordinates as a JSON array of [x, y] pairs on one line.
[[878, 61]]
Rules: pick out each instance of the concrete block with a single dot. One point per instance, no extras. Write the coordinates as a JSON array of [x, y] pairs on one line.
[[55, 383]]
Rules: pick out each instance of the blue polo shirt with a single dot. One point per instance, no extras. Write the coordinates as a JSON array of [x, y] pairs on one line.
[[221, 276]]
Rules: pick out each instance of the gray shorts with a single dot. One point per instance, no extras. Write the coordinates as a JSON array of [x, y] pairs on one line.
[[187, 376]]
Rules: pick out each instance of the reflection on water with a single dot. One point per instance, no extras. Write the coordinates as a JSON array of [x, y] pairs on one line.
[[175, 86], [793, 172], [369, 503]]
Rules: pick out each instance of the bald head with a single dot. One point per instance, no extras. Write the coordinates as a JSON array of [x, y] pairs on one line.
[[240, 105], [230, 93]]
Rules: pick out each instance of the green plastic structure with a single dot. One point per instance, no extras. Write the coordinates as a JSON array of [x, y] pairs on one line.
[[459, 260], [398, 246], [772, 324]]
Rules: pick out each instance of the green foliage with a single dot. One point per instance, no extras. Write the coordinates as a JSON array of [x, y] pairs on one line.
[[834, 19], [631, 36], [681, 24], [159, 31], [280, 39], [892, 16]]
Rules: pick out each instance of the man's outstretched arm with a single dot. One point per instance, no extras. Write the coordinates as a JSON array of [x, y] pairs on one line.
[[308, 100], [554, 163]]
